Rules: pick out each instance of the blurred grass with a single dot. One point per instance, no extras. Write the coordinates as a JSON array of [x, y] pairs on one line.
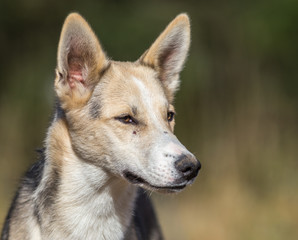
[[237, 107]]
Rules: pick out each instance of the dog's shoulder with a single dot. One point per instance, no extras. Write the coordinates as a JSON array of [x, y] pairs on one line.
[[29, 184], [34, 174]]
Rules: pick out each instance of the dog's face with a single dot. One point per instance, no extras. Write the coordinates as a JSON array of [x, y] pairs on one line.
[[120, 114]]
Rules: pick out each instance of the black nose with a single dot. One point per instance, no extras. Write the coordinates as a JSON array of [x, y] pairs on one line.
[[188, 166]]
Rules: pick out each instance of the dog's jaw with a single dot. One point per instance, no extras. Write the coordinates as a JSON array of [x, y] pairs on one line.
[[135, 179]]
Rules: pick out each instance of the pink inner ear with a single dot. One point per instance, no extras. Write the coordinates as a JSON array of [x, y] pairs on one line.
[[75, 72], [75, 76]]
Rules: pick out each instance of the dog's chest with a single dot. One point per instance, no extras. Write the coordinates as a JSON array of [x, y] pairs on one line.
[[96, 217]]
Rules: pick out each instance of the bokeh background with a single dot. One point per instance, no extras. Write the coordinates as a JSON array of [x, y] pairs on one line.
[[237, 107]]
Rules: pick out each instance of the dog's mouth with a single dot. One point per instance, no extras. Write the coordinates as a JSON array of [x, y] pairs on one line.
[[134, 179]]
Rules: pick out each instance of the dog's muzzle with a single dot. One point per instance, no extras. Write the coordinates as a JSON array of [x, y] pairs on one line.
[[187, 168]]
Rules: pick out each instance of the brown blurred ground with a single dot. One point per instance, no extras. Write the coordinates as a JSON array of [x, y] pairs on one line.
[[237, 108]]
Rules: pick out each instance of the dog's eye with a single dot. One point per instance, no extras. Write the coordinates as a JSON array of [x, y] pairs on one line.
[[171, 116], [127, 119]]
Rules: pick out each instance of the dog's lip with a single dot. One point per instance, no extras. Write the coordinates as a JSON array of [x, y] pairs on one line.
[[134, 179], [171, 187]]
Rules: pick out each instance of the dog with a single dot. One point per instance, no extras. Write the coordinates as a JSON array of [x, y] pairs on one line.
[[110, 142]]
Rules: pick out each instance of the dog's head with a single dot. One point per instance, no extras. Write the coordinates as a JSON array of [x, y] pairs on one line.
[[120, 114]]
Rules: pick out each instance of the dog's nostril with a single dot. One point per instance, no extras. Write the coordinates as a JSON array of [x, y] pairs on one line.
[[188, 166], [187, 170], [185, 167]]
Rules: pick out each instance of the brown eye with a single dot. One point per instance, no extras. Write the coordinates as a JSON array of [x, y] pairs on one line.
[[170, 116], [127, 119]]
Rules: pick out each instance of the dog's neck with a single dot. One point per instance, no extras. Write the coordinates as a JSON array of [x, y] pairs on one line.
[[90, 201]]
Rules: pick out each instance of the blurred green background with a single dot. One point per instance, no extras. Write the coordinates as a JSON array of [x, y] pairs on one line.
[[237, 107]]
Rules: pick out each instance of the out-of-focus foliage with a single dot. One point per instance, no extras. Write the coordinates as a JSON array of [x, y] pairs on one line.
[[237, 107]]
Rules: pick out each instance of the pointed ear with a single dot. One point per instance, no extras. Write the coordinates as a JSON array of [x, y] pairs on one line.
[[168, 53], [80, 62]]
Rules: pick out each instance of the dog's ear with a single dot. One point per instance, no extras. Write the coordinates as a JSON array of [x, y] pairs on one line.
[[168, 53], [81, 61]]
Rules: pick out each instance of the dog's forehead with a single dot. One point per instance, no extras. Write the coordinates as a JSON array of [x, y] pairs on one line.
[[131, 83], [125, 73]]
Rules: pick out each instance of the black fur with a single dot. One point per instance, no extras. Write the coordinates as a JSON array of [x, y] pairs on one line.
[[144, 223], [30, 182], [94, 109], [5, 230], [152, 66], [59, 112], [34, 174]]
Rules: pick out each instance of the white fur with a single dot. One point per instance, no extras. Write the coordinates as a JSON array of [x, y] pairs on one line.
[[91, 204], [160, 168], [34, 230], [94, 199], [147, 99], [165, 153]]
